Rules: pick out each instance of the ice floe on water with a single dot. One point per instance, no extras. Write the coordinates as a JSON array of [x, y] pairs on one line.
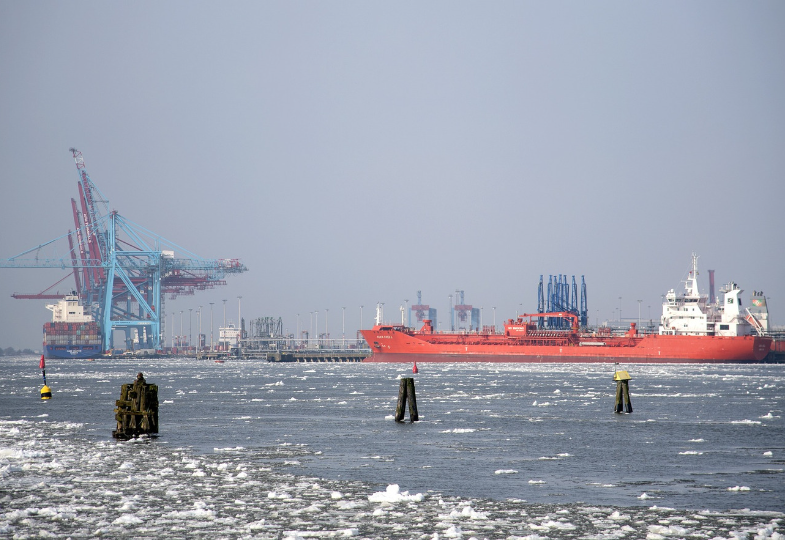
[[393, 494], [502, 455], [116, 489]]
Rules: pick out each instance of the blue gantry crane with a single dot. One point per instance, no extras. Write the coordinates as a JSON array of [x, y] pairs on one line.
[[558, 298], [461, 313], [121, 270]]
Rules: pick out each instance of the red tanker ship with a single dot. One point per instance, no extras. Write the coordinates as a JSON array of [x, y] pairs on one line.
[[691, 331]]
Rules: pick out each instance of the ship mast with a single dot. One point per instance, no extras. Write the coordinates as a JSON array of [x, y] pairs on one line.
[[691, 284]]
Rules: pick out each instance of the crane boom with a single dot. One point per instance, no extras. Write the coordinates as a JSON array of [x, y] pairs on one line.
[[121, 269]]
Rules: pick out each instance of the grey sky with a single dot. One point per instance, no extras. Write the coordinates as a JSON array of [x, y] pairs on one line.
[[355, 152]]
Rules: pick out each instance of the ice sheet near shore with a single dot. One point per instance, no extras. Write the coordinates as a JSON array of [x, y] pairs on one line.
[[55, 482]]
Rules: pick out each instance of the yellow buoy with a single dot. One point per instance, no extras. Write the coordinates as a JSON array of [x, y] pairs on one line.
[[46, 392]]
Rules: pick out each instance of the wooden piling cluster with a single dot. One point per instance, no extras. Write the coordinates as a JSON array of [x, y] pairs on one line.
[[136, 411], [406, 393], [623, 403]]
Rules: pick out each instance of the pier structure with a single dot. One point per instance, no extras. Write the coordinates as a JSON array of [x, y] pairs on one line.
[[267, 338], [305, 355]]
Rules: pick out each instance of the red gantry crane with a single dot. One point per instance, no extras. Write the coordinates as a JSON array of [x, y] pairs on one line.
[[121, 270]]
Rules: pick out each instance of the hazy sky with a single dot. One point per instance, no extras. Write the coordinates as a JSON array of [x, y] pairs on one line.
[[355, 152]]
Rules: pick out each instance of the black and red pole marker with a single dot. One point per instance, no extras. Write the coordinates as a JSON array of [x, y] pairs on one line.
[[46, 392]]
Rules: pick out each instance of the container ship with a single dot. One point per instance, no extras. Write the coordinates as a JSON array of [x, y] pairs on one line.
[[72, 332], [692, 330]]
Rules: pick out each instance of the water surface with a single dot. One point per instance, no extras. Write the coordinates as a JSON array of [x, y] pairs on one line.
[[270, 450]]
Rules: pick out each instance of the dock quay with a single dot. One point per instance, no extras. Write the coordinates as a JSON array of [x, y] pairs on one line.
[[287, 355], [212, 355], [318, 356]]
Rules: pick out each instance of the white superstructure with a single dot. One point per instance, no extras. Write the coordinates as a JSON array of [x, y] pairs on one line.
[[759, 311], [691, 313], [228, 336], [69, 310]]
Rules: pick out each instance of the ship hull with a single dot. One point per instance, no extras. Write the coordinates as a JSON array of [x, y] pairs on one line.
[[72, 351], [396, 346], [72, 340], [540, 359]]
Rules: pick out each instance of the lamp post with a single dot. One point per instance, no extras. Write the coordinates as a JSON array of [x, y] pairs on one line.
[[172, 340], [224, 326], [494, 318], [452, 317], [190, 328], [620, 311], [180, 337], [639, 313], [316, 325], [343, 327], [239, 322], [326, 329], [211, 325], [199, 337]]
